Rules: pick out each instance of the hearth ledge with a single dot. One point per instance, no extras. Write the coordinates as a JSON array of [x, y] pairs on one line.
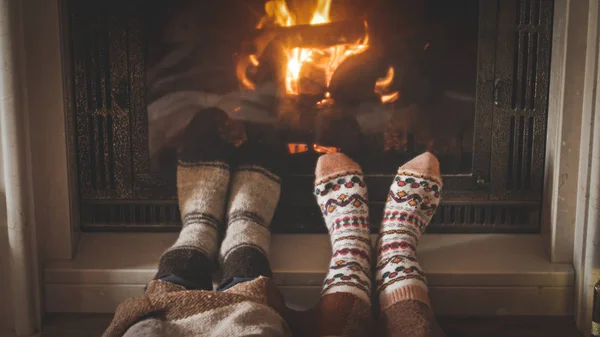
[[469, 274]]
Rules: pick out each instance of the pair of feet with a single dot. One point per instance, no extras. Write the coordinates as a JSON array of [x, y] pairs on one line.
[[215, 197], [220, 199], [413, 197]]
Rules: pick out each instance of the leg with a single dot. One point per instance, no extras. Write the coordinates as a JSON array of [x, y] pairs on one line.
[[401, 286], [345, 306], [254, 194], [202, 183]]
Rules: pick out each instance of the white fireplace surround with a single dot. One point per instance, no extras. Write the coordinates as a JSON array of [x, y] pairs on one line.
[[551, 273]]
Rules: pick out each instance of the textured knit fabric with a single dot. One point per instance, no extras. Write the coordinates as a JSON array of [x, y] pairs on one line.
[[400, 281], [248, 305], [252, 308], [253, 196], [342, 196], [345, 305], [408, 318], [412, 201], [202, 183]]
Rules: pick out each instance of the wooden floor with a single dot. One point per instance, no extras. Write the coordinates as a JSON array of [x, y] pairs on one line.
[[92, 325]]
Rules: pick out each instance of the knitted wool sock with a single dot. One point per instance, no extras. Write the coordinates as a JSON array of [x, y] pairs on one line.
[[412, 201], [202, 183], [342, 195], [254, 194]]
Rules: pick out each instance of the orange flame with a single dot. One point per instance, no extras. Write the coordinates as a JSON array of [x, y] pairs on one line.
[[294, 148], [297, 148], [325, 149], [327, 59], [382, 86]]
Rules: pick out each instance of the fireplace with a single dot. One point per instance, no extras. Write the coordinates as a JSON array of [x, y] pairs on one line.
[[467, 80]]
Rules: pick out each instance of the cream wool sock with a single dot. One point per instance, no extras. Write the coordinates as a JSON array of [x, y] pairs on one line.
[[253, 197], [202, 182], [412, 201]]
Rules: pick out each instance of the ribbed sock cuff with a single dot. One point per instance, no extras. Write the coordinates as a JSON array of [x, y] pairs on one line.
[[404, 293]]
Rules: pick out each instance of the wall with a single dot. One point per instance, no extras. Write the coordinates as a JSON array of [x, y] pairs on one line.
[[5, 300], [586, 256], [568, 71], [47, 104]]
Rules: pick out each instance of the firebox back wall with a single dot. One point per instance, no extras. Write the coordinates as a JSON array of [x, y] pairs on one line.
[[119, 192]]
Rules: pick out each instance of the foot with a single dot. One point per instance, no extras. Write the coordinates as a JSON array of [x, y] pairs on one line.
[[253, 197], [341, 193], [202, 185], [412, 201]]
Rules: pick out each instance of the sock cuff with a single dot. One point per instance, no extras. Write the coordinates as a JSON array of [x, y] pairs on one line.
[[352, 288], [408, 292]]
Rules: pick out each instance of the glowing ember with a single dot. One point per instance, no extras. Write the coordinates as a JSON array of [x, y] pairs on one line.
[[294, 148], [382, 87], [325, 149], [327, 59], [254, 60], [297, 148]]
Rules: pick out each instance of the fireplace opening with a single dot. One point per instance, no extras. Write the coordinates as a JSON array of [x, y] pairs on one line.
[[379, 80]]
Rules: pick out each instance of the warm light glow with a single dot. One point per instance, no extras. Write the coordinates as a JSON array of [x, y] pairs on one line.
[[384, 82], [389, 98], [382, 87], [325, 149], [253, 60], [297, 148], [328, 59]]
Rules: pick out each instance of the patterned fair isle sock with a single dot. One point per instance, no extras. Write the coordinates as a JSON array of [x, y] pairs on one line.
[[342, 195], [412, 200], [254, 194], [345, 305], [202, 183]]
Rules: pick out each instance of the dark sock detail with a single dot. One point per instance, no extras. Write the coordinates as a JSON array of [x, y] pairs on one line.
[[188, 264], [199, 217], [343, 314], [204, 138], [263, 154], [413, 318], [216, 164], [245, 262], [247, 216]]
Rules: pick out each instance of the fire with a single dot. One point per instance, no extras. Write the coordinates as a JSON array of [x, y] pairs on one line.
[[327, 59], [325, 149], [295, 148], [382, 87]]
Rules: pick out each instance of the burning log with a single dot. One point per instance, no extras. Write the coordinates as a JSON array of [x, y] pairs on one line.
[[311, 36]]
